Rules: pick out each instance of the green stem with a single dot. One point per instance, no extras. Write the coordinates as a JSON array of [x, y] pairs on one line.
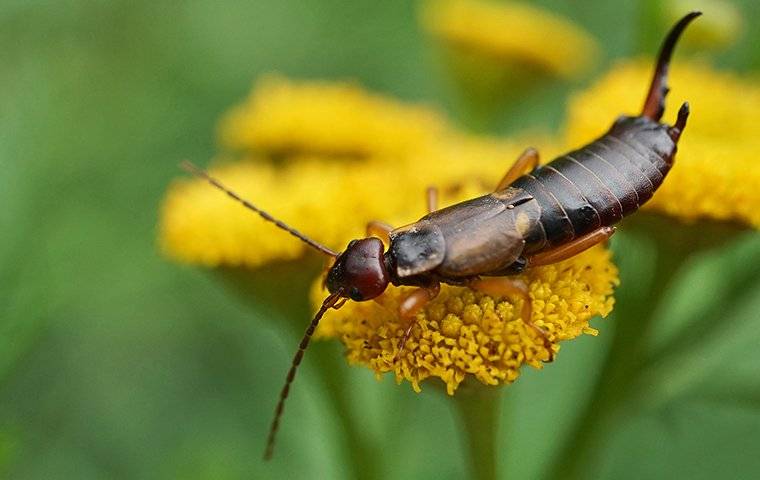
[[637, 302], [478, 408]]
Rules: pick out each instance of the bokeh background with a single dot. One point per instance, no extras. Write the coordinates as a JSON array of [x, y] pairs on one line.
[[116, 363]]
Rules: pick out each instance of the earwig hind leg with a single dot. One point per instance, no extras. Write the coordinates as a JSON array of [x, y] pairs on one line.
[[380, 230], [505, 287], [526, 162], [571, 249], [508, 287], [409, 307], [431, 197]]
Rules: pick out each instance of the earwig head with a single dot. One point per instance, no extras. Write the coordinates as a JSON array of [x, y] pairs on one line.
[[359, 272]]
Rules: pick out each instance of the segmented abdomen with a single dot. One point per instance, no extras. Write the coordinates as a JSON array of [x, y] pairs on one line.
[[599, 184]]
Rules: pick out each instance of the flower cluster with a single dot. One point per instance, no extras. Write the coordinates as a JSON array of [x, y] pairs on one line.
[[327, 157]]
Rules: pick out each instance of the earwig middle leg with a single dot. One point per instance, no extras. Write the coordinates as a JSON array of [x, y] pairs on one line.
[[526, 162], [380, 230], [409, 307], [508, 287], [571, 249], [432, 199]]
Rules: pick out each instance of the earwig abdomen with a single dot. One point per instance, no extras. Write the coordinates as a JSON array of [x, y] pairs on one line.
[[602, 182]]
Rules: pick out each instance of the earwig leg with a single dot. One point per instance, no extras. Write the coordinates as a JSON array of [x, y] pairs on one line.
[[526, 162], [380, 230], [505, 287], [508, 287], [432, 199], [571, 249], [409, 307]]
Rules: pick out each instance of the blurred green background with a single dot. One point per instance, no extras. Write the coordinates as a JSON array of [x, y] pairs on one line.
[[115, 363]]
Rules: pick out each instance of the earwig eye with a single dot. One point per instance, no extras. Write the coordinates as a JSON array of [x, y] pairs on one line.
[[355, 294]]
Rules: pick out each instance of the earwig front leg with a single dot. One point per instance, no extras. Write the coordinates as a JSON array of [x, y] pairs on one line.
[[432, 199], [571, 249], [380, 230], [508, 287], [409, 307], [526, 162]]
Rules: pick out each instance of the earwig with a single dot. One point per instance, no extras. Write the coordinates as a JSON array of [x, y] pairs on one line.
[[537, 215]]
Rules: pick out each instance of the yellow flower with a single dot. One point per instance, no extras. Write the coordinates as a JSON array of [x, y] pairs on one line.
[[512, 33], [716, 174], [283, 117], [463, 333]]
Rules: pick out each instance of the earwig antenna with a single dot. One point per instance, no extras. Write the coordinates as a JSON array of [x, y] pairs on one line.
[[654, 105], [326, 305], [190, 168]]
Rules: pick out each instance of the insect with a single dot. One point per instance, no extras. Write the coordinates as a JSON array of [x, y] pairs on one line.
[[537, 215]]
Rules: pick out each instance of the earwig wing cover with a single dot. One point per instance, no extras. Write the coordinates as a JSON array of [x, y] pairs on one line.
[[417, 248]]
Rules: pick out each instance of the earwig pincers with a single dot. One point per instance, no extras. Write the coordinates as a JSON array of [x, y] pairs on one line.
[[536, 215]]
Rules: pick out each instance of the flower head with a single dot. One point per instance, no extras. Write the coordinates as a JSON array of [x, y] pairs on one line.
[[464, 333], [716, 174], [511, 32], [282, 116]]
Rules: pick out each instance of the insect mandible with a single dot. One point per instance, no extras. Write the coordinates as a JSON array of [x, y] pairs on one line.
[[536, 215]]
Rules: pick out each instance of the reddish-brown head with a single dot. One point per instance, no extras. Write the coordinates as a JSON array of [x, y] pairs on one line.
[[359, 272]]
